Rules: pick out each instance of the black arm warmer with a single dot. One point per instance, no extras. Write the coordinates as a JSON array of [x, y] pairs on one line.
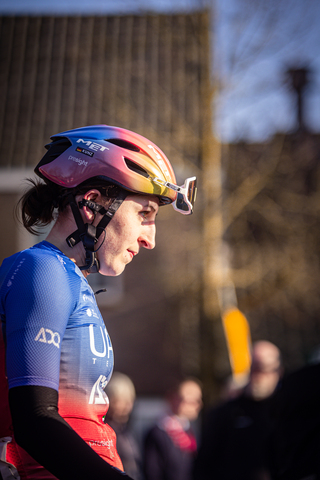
[[48, 438]]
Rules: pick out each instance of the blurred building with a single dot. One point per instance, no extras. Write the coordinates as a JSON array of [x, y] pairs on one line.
[[272, 227]]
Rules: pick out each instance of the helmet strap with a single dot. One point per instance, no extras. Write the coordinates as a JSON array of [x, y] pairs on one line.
[[89, 234]]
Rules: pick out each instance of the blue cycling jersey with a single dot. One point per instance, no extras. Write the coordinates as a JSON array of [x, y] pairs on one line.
[[55, 337]]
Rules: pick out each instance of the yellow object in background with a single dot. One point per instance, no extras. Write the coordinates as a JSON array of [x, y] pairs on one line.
[[238, 337]]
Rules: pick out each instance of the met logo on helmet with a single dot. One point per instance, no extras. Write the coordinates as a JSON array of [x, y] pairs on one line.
[[155, 152], [161, 162], [92, 145]]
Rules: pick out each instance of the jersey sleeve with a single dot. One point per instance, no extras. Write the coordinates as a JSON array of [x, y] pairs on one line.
[[40, 298]]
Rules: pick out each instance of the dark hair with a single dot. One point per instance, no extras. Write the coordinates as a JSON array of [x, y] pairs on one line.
[[38, 204]]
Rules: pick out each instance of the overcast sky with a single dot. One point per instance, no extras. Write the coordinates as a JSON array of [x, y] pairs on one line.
[[254, 42]]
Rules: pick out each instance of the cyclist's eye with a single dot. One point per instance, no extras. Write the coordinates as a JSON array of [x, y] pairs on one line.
[[144, 213]]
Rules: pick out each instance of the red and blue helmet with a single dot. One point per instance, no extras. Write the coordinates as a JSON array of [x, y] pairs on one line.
[[118, 156]]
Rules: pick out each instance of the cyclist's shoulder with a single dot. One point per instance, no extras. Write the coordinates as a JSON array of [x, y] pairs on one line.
[[43, 261]]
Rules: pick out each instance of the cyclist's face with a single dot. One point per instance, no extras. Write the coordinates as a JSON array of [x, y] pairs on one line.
[[132, 227]]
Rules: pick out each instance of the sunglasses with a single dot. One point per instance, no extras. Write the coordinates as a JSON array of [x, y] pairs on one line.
[[186, 194]]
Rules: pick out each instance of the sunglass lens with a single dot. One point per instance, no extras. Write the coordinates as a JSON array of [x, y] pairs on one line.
[[192, 191], [181, 204], [185, 201]]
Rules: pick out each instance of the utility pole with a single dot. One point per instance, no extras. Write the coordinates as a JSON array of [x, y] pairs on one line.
[[299, 80], [213, 350]]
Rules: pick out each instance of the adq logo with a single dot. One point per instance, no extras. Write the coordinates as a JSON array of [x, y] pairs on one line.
[[45, 335]]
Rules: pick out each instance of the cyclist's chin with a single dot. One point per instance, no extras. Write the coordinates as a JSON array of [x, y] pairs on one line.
[[112, 269]]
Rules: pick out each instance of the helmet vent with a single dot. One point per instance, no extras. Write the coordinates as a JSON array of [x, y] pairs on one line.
[[123, 144], [58, 146], [136, 168]]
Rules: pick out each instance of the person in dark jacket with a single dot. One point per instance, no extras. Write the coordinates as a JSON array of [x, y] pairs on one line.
[[295, 441], [236, 433], [170, 445]]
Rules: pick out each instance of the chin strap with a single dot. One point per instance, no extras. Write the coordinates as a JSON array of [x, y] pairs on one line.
[[89, 234]]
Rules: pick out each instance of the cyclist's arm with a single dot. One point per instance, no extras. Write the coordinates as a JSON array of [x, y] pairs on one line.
[[48, 438]]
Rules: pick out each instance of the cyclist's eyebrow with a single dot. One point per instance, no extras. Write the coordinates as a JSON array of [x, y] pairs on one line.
[[152, 207]]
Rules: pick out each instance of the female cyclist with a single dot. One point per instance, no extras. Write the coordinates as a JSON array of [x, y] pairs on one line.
[[106, 185]]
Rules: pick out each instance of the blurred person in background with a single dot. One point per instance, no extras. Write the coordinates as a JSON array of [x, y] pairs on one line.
[[122, 394], [232, 388], [170, 445], [295, 442], [236, 434]]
